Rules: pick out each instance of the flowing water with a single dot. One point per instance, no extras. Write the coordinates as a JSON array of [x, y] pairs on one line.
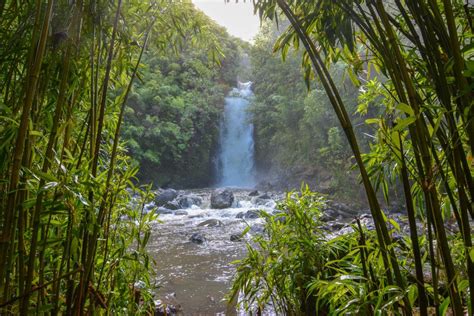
[[197, 276], [235, 161]]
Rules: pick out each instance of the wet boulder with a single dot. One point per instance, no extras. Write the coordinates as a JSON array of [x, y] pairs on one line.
[[197, 238], [172, 205], [180, 213], [163, 211], [254, 193], [165, 196], [252, 214], [211, 223], [163, 309], [187, 201], [222, 198]]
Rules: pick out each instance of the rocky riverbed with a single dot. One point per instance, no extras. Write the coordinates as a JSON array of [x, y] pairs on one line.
[[200, 235]]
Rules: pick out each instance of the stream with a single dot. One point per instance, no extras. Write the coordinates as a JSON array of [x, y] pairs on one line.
[[196, 276]]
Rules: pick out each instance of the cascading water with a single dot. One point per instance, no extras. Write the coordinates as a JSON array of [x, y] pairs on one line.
[[235, 163]]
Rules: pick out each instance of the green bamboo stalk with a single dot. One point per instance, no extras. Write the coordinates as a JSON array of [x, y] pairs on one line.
[[381, 228], [46, 165], [428, 185], [88, 248], [116, 142], [31, 85], [422, 298]]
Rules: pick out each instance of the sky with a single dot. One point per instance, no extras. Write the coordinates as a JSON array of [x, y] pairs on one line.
[[238, 18]]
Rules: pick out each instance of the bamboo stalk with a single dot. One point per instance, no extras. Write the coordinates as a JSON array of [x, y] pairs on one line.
[[31, 85]]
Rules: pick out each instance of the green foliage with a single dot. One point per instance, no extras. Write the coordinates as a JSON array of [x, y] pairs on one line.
[[424, 137], [73, 227], [280, 264], [173, 114], [297, 268], [295, 128]]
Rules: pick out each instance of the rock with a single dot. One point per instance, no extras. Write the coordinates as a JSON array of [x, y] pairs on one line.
[[281, 219], [165, 196], [189, 200], [254, 193], [149, 206], [264, 196], [252, 214], [180, 213], [222, 198], [257, 229], [211, 223], [258, 201], [336, 226], [235, 237], [326, 218], [163, 211], [172, 205], [340, 210], [197, 238], [162, 309]]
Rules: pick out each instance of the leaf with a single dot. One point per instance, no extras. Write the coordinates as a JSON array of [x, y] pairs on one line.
[[372, 121], [405, 108], [45, 176], [443, 308], [49, 185], [403, 123]]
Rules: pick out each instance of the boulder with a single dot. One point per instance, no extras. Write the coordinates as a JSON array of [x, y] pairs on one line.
[[264, 196], [165, 196], [180, 213], [211, 223], [197, 238], [163, 309], [187, 201], [252, 214], [222, 198], [254, 193], [163, 211], [172, 205]]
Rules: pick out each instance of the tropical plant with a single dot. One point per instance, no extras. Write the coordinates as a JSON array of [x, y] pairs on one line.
[[425, 137], [73, 229]]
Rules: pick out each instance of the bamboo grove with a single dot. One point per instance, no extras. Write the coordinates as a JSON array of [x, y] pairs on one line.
[[66, 70], [414, 61]]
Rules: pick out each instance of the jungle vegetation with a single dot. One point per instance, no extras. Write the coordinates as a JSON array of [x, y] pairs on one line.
[[96, 95], [424, 138], [67, 73]]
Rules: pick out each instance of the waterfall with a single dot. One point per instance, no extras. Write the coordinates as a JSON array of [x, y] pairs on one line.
[[235, 161]]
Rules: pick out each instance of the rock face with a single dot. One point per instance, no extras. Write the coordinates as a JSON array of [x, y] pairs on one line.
[[222, 198], [165, 196]]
